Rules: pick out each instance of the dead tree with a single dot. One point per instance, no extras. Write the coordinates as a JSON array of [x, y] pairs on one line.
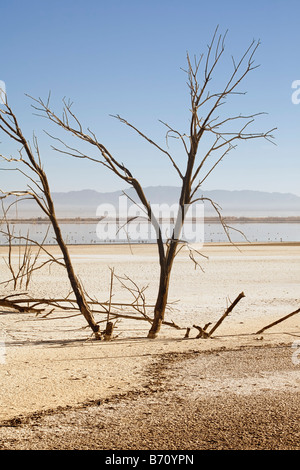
[[30, 165], [220, 132]]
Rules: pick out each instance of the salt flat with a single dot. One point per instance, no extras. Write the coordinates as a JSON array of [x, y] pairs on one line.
[[54, 363]]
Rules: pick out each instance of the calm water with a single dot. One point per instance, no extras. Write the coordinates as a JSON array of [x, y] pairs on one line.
[[86, 233]]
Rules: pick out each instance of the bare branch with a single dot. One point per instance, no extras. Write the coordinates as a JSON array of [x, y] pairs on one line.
[[152, 142]]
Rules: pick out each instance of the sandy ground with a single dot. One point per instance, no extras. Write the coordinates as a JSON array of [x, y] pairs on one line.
[[62, 389]]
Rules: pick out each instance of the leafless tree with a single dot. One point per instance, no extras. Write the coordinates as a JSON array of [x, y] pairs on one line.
[[29, 164], [221, 132]]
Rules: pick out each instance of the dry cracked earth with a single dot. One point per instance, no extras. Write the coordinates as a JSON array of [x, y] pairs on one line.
[[245, 399]]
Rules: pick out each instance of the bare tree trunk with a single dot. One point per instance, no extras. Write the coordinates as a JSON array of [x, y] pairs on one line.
[[161, 303], [75, 284], [10, 126], [163, 291]]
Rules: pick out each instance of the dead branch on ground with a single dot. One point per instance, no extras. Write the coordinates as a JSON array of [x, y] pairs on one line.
[[112, 312], [207, 334], [278, 321]]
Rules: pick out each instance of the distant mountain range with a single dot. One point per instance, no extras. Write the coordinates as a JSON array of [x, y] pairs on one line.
[[245, 203]]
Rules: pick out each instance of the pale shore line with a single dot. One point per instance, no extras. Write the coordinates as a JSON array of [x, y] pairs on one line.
[[124, 248], [208, 219]]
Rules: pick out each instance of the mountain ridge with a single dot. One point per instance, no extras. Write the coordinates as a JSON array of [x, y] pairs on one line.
[[84, 203]]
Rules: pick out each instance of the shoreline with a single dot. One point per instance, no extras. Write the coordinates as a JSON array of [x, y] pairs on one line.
[[151, 245], [89, 220]]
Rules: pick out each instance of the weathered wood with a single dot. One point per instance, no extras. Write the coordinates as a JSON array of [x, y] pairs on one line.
[[14, 301], [278, 321], [187, 333], [109, 331], [227, 312], [10, 304], [207, 334], [202, 333]]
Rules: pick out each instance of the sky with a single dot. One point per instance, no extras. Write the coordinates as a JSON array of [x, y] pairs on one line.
[[126, 58]]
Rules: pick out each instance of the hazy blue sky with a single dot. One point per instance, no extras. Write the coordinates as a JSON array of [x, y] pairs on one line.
[[124, 57]]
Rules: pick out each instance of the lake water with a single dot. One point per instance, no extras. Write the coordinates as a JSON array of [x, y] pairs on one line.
[[99, 233]]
